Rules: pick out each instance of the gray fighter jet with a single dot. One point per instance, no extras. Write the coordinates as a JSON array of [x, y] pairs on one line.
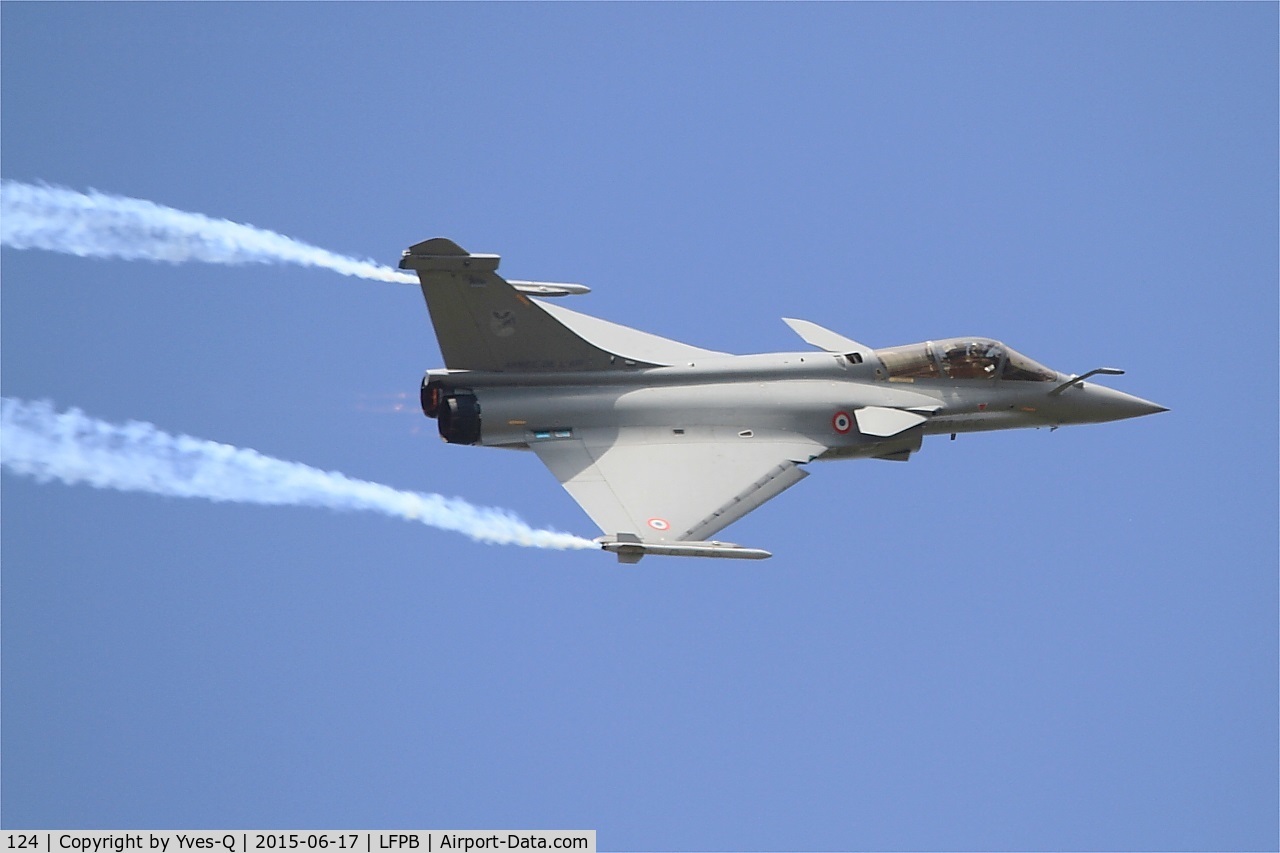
[[664, 444]]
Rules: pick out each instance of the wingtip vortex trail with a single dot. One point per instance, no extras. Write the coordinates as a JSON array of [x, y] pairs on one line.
[[101, 225], [71, 447]]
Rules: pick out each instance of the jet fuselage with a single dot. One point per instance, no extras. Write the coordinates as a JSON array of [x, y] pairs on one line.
[[749, 396], [664, 444]]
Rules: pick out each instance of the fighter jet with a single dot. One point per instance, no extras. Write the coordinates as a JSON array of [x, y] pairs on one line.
[[663, 444]]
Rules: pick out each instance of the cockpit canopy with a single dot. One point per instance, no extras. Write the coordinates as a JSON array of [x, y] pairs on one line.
[[962, 358]]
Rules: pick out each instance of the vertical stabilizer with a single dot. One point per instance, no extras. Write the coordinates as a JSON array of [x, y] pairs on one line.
[[483, 323]]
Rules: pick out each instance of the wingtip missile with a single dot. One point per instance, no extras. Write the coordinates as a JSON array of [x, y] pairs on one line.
[[631, 548], [548, 288]]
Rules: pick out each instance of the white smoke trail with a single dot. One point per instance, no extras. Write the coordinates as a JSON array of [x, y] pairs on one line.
[[95, 224], [39, 442]]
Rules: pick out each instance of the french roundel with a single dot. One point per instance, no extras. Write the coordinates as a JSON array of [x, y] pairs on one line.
[[841, 422], [659, 524]]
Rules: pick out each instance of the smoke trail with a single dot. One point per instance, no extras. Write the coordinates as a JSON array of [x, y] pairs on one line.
[[38, 442], [98, 225]]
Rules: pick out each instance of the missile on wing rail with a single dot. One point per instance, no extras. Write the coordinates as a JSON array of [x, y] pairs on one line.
[[630, 549], [548, 288], [443, 256]]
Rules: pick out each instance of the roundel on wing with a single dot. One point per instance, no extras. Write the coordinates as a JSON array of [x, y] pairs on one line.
[[842, 422], [659, 524]]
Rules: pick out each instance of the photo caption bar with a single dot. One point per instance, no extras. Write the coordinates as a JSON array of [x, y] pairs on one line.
[[336, 841]]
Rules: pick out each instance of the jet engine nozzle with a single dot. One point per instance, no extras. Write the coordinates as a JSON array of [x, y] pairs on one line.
[[432, 395], [459, 418]]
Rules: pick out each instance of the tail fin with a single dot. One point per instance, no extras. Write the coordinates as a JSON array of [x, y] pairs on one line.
[[483, 323]]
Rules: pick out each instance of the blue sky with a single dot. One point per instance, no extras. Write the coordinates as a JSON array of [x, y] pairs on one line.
[[1017, 640]]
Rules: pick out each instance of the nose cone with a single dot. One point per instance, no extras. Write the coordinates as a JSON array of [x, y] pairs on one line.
[[1097, 403]]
